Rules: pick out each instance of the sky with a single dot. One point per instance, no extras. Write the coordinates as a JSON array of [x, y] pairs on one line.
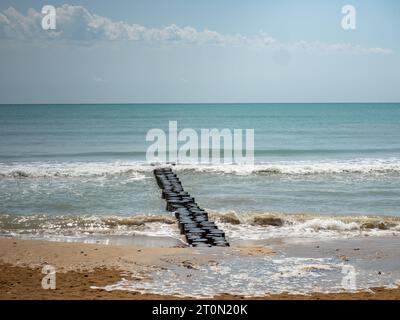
[[222, 51]]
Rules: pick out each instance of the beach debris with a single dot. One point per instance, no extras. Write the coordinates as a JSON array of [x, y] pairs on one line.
[[193, 221]]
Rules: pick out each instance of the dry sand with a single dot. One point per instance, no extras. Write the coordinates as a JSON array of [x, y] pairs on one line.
[[80, 266]]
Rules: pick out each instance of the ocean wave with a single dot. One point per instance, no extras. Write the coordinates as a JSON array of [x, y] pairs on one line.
[[355, 166], [262, 226], [237, 226], [322, 221], [74, 225], [74, 170], [140, 170]]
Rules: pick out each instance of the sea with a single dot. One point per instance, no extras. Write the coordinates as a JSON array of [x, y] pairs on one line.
[[321, 172]]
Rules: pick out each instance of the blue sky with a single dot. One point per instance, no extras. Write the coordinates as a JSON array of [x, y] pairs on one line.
[[200, 51]]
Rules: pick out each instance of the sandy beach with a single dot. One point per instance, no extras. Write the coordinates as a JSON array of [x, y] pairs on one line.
[[81, 266], [220, 150]]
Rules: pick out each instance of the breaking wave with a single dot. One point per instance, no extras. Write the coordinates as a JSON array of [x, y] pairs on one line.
[[74, 225], [356, 166], [260, 226], [237, 226], [74, 170], [139, 170]]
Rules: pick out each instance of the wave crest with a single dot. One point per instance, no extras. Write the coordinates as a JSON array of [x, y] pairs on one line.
[[258, 226], [241, 226], [72, 225], [74, 170], [139, 170], [356, 166]]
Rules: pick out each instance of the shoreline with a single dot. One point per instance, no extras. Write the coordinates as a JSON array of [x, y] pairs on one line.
[[80, 266], [23, 283]]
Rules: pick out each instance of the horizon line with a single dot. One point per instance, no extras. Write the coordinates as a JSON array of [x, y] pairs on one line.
[[192, 103]]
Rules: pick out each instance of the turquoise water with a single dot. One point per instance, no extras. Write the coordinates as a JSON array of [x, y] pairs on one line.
[[321, 159], [116, 132]]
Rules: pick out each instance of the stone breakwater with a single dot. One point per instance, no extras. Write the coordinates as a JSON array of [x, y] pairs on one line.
[[193, 221]]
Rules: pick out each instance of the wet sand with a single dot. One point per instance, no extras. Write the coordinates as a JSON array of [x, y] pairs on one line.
[[80, 266]]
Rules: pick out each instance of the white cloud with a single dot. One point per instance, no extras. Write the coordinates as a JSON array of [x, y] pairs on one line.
[[17, 26], [78, 24]]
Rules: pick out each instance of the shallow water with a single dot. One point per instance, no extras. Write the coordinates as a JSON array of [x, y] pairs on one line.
[[295, 269]]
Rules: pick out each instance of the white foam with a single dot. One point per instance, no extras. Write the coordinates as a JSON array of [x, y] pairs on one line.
[[327, 224], [153, 225], [139, 170], [361, 166], [237, 226], [74, 169], [254, 226], [250, 276]]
